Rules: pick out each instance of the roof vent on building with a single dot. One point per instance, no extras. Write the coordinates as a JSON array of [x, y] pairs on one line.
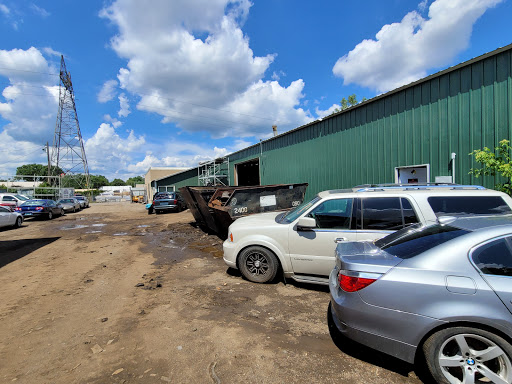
[[274, 129]]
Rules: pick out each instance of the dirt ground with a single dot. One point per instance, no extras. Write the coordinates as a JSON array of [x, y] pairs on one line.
[[113, 295]]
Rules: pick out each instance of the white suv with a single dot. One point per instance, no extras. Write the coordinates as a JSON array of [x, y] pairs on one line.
[[12, 200], [301, 242]]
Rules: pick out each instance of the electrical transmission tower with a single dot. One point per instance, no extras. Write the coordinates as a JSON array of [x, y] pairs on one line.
[[68, 147]]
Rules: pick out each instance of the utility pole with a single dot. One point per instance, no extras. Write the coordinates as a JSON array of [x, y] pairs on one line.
[[68, 151], [48, 156]]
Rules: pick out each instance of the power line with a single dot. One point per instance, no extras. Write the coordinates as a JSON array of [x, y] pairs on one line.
[[164, 98], [25, 154], [162, 110], [29, 94], [27, 71], [203, 106], [205, 117]]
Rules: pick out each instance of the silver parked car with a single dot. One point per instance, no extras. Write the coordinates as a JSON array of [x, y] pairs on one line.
[[70, 204], [84, 201], [10, 219], [443, 290]]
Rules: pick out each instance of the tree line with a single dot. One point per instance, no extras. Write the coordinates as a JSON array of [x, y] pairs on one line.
[[96, 181]]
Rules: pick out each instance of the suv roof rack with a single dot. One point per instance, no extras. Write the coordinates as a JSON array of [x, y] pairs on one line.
[[422, 186]]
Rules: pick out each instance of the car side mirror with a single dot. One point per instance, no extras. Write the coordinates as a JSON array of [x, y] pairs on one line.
[[306, 223]]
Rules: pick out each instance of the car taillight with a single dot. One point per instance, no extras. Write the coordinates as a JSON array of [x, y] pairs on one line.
[[354, 281], [175, 202], [39, 208], [18, 209]]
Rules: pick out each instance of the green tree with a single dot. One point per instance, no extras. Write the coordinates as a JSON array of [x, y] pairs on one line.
[[98, 181], [344, 103], [135, 180], [352, 99], [37, 170], [117, 182], [495, 163]]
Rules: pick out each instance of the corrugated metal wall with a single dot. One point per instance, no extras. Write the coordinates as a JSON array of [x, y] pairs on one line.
[[455, 111], [180, 179]]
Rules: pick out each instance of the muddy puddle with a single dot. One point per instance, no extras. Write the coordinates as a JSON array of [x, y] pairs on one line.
[[181, 241]]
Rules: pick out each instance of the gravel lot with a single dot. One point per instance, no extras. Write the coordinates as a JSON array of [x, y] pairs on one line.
[[113, 295]]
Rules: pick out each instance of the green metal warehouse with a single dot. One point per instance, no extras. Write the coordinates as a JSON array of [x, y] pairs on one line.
[[419, 132]]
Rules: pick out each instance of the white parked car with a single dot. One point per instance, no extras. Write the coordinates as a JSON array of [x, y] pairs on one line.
[[301, 242], [10, 219]]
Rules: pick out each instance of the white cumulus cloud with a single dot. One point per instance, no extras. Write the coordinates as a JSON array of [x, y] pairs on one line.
[[108, 152], [15, 153], [184, 155], [403, 52], [108, 91], [31, 99], [192, 67], [124, 106]]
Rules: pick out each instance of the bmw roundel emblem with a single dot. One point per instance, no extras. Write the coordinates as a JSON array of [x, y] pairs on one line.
[[470, 361]]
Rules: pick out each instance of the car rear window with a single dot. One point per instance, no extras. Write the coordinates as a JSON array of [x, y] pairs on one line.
[[419, 240], [34, 202], [465, 205], [164, 196]]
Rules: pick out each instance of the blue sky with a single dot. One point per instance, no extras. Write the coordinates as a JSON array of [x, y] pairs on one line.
[[183, 81]]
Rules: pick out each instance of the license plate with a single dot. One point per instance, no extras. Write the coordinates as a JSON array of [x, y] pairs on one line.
[[28, 214]]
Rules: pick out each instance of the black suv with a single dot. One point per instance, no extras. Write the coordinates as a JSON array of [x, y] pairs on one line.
[[172, 201]]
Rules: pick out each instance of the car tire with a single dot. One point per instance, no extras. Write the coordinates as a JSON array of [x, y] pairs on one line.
[[19, 221], [461, 354], [50, 215], [258, 264], [62, 212], [74, 209]]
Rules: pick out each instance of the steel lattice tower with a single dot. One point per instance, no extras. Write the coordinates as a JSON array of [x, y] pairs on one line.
[[68, 151]]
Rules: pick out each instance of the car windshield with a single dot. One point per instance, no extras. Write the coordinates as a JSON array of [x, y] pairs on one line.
[[79, 197], [34, 202], [297, 211], [418, 240], [66, 201], [19, 197]]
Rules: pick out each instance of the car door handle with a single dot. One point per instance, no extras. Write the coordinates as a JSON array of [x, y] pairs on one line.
[[340, 239]]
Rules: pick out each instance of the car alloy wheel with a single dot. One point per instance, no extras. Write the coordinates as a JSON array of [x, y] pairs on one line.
[[19, 220], [468, 355], [50, 215], [258, 264]]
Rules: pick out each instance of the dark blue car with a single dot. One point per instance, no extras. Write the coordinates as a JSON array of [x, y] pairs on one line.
[[40, 208]]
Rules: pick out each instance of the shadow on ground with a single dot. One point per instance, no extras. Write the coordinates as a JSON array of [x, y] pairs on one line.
[[371, 356], [12, 250]]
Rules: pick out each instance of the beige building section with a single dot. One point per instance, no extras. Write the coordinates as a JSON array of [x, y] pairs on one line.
[[157, 173]]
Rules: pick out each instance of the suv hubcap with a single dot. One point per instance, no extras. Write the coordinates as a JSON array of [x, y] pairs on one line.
[[257, 263]]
